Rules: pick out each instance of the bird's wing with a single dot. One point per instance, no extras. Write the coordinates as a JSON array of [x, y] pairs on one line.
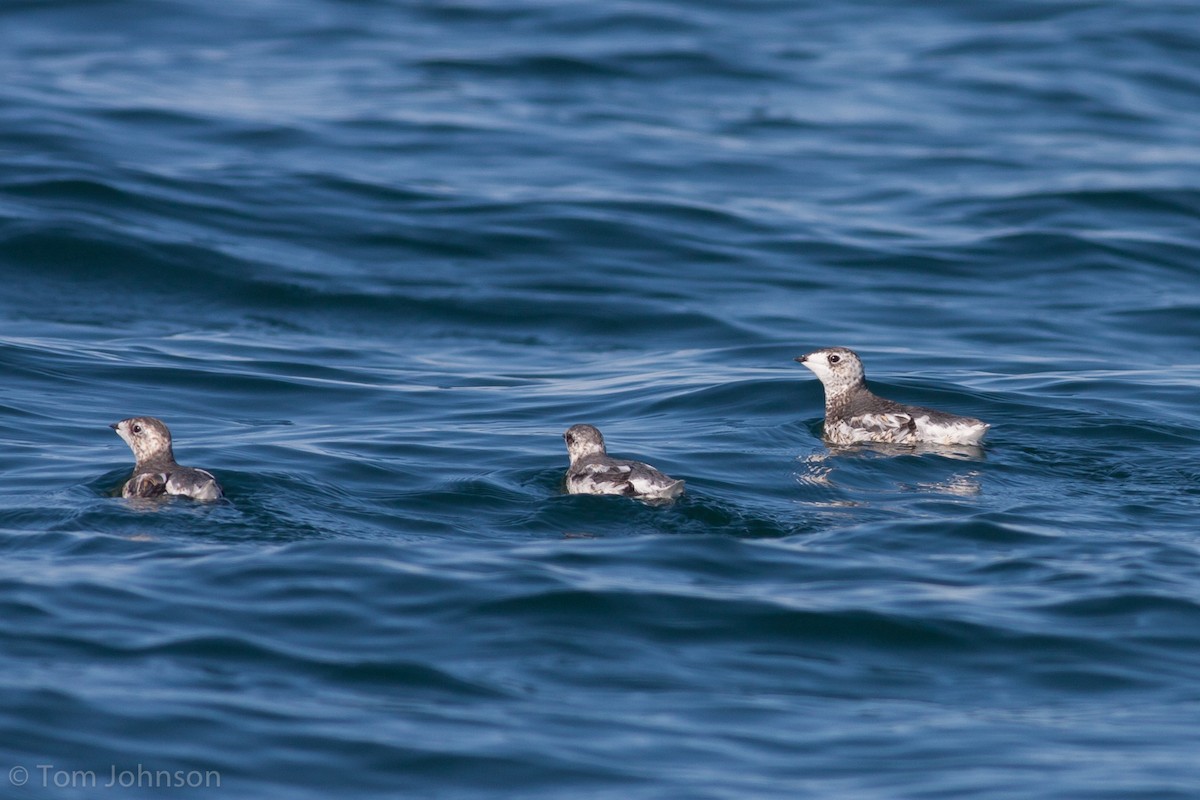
[[646, 480], [613, 477], [896, 422], [198, 484], [613, 467], [145, 484]]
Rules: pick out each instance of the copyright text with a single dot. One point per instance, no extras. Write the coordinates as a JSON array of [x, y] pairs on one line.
[[50, 776]]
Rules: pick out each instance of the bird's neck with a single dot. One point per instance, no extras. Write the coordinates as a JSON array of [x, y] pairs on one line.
[[163, 458], [598, 451], [839, 401]]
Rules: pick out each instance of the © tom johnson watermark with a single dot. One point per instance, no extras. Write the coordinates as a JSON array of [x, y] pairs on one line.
[[48, 776]]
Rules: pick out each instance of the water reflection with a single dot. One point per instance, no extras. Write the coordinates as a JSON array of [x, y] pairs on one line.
[[817, 469]]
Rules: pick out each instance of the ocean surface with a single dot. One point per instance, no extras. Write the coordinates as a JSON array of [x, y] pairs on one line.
[[370, 259]]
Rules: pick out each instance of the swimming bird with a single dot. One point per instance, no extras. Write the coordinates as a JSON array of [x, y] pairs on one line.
[[156, 472], [593, 471], [853, 414]]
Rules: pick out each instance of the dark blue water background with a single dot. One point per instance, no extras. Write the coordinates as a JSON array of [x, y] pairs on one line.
[[369, 260]]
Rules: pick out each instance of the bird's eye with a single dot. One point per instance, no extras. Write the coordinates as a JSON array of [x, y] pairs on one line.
[[137, 428], [835, 358]]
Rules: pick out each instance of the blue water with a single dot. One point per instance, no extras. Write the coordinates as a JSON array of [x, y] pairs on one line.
[[370, 259]]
